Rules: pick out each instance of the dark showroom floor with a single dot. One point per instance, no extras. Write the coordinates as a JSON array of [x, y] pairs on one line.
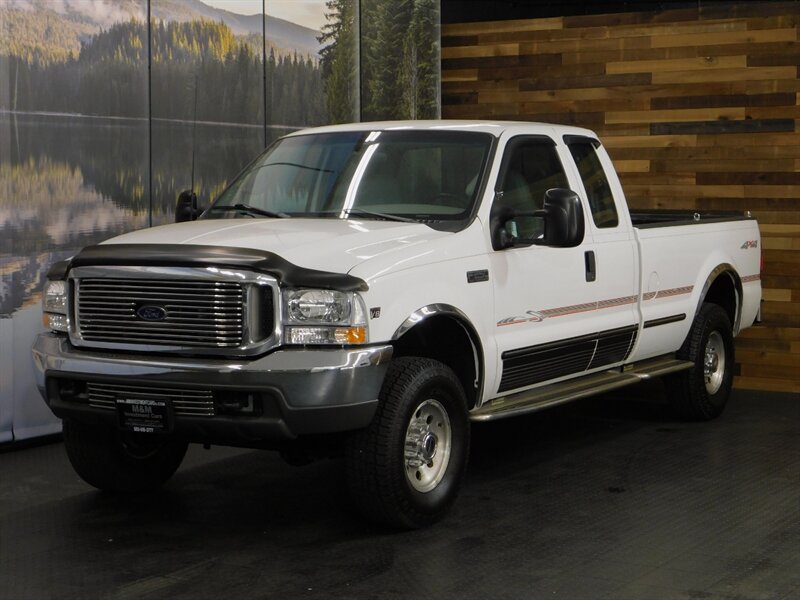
[[606, 498]]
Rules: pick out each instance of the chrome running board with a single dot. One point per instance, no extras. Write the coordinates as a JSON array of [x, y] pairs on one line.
[[573, 389]]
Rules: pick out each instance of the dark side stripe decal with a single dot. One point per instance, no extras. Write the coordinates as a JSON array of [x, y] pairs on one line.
[[665, 320], [534, 364]]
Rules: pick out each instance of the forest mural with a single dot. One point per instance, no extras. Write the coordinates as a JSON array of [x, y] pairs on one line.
[[93, 145], [104, 77], [398, 51]]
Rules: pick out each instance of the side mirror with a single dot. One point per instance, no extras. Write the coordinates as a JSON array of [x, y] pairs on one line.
[[502, 225], [563, 219], [561, 222], [186, 208]]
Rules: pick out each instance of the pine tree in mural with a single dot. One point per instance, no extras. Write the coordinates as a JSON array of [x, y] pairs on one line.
[[386, 56], [399, 59], [338, 60], [419, 75], [108, 74]]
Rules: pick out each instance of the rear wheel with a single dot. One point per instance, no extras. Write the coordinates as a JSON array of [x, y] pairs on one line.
[[406, 467], [701, 393], [116, 462]]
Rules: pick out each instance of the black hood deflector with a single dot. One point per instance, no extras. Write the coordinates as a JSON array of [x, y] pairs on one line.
[[189, 255]]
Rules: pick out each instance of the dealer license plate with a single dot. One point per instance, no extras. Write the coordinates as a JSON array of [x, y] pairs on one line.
[[143, 415]]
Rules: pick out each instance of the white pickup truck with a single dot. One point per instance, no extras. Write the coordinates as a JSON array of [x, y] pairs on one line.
[[368, 290]]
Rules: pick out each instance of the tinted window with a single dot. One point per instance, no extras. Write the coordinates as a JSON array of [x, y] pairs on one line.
[[425, 175], [598, 191], [532, 168]]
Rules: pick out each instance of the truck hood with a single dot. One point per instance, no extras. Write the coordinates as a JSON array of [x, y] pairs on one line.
[[335, 245]]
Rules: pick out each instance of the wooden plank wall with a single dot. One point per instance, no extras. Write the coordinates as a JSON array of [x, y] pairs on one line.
[[699, 109]]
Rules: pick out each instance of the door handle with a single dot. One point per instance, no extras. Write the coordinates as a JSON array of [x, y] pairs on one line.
[[591, 265]]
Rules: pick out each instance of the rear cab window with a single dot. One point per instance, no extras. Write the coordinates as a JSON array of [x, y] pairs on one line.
[[595, 182]]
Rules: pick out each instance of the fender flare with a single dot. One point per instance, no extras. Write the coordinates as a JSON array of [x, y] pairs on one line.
[[448, 310], [730, 271]]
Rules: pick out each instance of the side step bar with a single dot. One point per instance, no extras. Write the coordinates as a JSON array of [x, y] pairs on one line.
[[565, 391]]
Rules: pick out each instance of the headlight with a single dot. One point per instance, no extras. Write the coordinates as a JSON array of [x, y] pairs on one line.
[[319, 306], [55, 296], [324, 317], [54, 306]]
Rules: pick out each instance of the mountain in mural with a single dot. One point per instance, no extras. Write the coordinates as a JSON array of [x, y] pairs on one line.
[[283, 34], [53, 30]]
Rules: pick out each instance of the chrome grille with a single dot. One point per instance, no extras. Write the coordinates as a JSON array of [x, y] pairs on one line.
[[201, 314], [187, 402]]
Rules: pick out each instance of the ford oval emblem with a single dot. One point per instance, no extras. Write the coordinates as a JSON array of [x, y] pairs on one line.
[[151, 312]]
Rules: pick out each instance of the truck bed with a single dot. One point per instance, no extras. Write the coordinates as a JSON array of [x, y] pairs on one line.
[[668, 218]]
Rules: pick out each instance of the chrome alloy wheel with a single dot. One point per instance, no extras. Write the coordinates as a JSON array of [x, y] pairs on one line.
[[429, 440], [714, 362]]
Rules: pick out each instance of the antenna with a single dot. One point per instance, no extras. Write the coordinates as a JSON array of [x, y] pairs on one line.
[[194, 131], [264, 62], [186, 209]]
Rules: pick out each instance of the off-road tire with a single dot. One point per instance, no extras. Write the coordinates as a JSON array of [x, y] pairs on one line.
[[420, 402], [113, 462], [701, 393]]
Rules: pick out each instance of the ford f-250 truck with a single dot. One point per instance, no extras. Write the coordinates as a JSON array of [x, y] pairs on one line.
[[368, 290]]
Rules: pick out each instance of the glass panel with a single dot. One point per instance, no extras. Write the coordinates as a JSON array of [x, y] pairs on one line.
[[598, 191], [216, 103], [207, 88], [340, 59], [400, 59], [73, 162], [295, 38]]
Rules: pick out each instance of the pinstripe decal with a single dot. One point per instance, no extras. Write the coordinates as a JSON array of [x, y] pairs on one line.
[[674, 292], [536, 316]]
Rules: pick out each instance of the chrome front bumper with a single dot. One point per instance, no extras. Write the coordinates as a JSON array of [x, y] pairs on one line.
[[303, 391]]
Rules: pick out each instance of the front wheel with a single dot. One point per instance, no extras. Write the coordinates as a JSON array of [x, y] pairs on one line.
[[116, 462], [406, 467], [701, 393]]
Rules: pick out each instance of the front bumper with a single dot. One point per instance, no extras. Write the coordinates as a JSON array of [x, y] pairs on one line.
[[298, 391]]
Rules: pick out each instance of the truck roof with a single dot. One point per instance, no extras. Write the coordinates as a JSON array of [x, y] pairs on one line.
[[495, 128]]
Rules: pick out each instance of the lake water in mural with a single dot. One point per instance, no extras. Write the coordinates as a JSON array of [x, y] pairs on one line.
[[68, 181]]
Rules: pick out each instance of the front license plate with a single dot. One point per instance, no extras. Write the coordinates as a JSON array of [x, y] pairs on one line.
[[143, 415]]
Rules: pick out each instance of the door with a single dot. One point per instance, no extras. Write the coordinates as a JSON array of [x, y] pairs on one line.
[[547, 299], [614, 247]]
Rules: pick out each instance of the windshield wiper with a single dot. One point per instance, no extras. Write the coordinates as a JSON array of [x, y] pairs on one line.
[[298, 165], [252, 211], [360, 212]]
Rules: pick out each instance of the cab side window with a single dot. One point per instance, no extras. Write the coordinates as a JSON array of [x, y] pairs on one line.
[[532, 167], [598, 190]]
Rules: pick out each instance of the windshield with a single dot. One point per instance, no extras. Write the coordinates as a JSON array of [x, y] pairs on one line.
[[423, 175]]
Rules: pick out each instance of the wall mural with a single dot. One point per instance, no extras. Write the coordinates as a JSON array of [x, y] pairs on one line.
[[75, 162], [400, 66]]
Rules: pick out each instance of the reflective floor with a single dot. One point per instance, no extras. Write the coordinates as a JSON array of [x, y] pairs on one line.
[[605, 498]]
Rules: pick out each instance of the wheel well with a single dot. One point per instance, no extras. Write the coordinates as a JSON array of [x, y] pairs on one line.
[[446, 339], [724, 292]]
